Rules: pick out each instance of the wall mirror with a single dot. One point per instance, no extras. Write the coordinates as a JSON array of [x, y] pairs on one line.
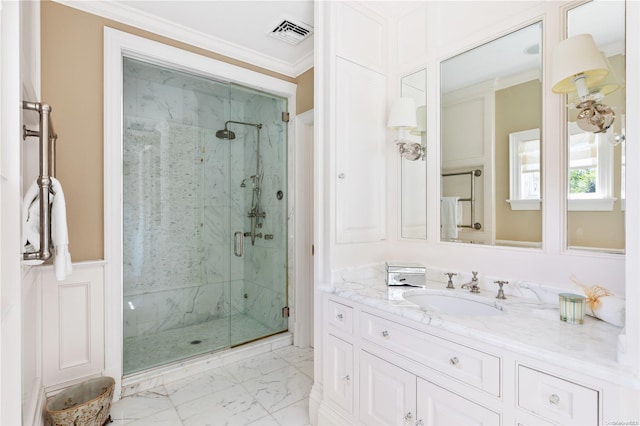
[[491, 122], [414, 173], [595, 161]]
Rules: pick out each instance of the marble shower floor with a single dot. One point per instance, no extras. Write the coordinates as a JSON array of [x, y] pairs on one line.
[[154, 349], [269, 389]]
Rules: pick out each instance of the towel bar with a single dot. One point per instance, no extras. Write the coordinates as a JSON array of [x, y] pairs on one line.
[[472, 199], [47, 139]]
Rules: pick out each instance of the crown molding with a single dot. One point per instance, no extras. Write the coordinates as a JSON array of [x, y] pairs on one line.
[[129, 16], [304, 64]]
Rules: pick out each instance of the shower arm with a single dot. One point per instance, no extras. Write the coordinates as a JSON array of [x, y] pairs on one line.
[[257, 126]]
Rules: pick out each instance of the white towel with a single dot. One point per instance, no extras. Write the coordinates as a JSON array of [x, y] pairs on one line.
[[59, 234], [450, 217], [31, 225]]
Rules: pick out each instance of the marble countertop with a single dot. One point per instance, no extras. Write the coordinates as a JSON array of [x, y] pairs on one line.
[[528, 326]]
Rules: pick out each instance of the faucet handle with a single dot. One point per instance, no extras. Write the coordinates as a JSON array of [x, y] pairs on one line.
[[500, 290], [475, 276], [450, 282]]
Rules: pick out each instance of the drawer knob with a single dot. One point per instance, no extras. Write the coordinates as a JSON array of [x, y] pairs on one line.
[[454, 360], [408, 417], [346, 378], [385, 333], [420, 423], [339, 317], [554, 399]]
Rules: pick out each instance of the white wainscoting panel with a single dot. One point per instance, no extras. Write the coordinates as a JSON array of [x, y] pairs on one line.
[[73, 324]]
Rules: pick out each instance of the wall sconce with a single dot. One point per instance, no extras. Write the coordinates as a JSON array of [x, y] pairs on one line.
[[577, 66], [403, 117]]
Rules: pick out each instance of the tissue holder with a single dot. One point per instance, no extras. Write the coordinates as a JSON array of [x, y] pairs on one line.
[[411, 274]]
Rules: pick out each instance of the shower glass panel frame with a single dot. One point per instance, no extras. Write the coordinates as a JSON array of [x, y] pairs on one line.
[[204, 218]]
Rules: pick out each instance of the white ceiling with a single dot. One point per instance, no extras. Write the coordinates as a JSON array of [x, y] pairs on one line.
[[238, 29]]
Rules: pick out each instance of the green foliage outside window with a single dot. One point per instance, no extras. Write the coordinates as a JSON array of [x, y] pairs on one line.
[[582, 181]]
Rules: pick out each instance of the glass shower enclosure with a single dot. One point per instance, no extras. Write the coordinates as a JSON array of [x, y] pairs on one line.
[[204, 215]]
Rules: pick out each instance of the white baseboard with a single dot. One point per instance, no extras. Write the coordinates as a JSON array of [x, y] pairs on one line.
[[315, 399], [328, 417], [33, 412]]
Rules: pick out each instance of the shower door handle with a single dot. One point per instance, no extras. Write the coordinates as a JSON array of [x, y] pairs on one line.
[[238, 241]]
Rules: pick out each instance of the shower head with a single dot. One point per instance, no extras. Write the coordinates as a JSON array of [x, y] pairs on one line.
[[225, 134]]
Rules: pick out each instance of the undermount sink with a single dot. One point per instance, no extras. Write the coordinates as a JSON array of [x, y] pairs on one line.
[[453, 304]]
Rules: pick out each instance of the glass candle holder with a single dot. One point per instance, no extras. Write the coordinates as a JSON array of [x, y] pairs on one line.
[[572, 308]]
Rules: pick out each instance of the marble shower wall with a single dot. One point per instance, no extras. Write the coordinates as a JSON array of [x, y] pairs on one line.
[[183, 202]]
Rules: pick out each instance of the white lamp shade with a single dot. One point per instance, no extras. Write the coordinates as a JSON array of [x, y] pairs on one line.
[[607, 85], [611, 82], [421, 118], [403, 114], [573, 56]]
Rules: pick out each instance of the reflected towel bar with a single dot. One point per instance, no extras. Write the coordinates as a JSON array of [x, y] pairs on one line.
[[472, 199], [47, 138]]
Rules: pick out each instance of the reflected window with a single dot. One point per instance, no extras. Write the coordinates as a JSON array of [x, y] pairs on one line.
[[590, 170], [524, 151]]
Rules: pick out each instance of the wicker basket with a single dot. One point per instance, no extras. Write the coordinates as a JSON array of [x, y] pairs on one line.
[[85, 404]]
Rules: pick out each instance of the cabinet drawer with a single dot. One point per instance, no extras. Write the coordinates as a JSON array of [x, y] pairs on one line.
[[341, 316], [438, 406], [468, 365], [556, 399]]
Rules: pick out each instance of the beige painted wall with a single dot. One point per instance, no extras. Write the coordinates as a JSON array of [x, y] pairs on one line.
[[517, 108], [304, 94], [72, 82]]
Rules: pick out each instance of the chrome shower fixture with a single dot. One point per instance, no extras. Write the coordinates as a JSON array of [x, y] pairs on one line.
[[225, 134], [256, 214]]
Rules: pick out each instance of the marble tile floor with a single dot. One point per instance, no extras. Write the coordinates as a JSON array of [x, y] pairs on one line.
[[269, 389], [154, 349]]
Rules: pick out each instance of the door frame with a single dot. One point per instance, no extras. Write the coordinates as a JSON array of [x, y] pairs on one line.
[[303, 232], [116, 45]]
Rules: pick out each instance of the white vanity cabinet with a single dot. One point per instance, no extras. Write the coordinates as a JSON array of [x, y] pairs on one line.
[[380, 368], [339, 373], [387, 392], [338, 356], [391, 396], [381, 372]]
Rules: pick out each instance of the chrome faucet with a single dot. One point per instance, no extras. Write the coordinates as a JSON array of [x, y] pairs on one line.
[[473, 285], [450, 282], [500, 290]]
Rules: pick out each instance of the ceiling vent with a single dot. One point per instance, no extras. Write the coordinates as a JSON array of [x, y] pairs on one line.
[[291, 32]]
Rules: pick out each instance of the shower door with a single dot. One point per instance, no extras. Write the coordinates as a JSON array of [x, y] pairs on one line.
[[193, 283], [257, 241]]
